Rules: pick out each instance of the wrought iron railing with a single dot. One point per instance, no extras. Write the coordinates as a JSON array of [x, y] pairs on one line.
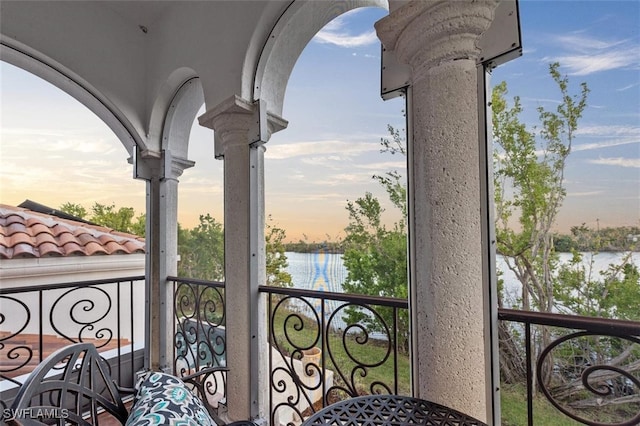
[[199, 338], [327, 347], [36, 320], [324, 346], [199, 324], [587, 368]]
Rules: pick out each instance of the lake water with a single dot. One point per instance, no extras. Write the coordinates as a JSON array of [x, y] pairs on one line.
[[326, 272]]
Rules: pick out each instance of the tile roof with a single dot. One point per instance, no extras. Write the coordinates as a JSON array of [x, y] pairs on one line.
[[28, 234]]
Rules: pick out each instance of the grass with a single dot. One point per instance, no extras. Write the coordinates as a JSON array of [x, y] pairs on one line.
[[514, 409], [370, 354], [513, 398]]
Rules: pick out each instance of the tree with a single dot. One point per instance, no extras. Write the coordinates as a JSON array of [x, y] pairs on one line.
[[121, 219], [376, 257], [201, 250], [528, 180], [535, 184], [615, 294], [276, 261], [74, 209]]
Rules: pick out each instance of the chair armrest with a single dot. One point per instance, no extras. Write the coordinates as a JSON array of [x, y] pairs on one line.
[[210, 385], [203, 372], [74, 384]]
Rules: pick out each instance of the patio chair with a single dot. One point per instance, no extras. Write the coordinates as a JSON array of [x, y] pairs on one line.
[[73, 386]]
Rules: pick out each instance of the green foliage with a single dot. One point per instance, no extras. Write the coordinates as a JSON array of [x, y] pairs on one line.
[[564, 243], [623, 238], [528, 180], [277, 263], [74, 209], [304, 246], [374, 256], [201, 250], [121, 219], [613, 294]]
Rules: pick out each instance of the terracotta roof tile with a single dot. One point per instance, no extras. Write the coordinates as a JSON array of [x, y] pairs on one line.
[[58, 229], [106, 239], [86, 238], [43, 237], [65, 237], [134, 246], [15, 227], [20, 238], [14, 218], [73, 248], [114, 248], [49, 249], [93, 248], [25, 233], [24, 250], [39, 228]]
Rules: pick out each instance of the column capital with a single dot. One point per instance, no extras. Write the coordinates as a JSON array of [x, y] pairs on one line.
[[237, 121], [425, 34], [178, 165], [162, 165]]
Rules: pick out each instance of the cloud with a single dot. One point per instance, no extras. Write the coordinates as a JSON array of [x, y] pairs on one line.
[[609, 130], [341, 179], [586, 55], [319, 148], [604, 144], [584, 194], [388, 165], [22, 131], [589, 64], [542, 100], [366, 55], [630, 86], [617, 161], [615, 135], [334, 33], [332, 162], [586, 44]]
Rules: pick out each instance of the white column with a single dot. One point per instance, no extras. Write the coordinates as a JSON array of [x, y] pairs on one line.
[[234, 122], [161, 173], [438, 40]]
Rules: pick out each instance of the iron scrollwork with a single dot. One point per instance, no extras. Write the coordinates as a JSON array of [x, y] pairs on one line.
[[200, 334], [86, 307], [600, 386], [320, 354], [17, 355]]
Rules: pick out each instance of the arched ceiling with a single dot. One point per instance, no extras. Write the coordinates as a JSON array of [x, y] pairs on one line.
[[126, 60], [125, 55]]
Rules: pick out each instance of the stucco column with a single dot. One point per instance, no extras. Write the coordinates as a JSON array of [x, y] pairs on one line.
[[161, 173], [438, 40], [235, 122]]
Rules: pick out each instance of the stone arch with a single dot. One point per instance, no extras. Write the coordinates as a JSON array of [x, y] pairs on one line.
[[297, 25], [36, 63], [174, 111]]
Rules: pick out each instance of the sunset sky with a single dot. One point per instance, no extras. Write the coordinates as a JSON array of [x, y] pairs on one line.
[[53, 149]]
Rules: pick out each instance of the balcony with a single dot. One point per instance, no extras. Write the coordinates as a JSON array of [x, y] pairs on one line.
[[322, 347], [140, 68]]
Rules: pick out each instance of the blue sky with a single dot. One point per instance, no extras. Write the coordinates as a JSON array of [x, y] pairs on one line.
[[53, 150]]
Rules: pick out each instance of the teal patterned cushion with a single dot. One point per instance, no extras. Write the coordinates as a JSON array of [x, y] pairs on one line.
[[165, 400]]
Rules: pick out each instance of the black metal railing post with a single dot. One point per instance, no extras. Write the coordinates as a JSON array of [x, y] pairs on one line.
[[306, 318], [62, 314], [597, 402]]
